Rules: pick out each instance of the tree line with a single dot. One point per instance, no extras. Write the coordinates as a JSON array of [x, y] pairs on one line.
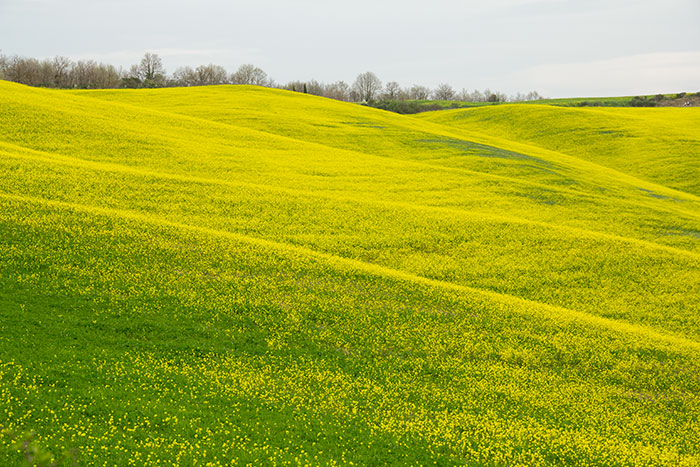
[[61, 72]]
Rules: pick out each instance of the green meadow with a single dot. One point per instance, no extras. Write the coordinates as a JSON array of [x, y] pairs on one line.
[[235, 275]]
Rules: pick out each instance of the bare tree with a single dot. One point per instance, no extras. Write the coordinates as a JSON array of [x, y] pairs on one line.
[[296, 86], [418, 92], [4, 61], [520, 97], [61, 70], [250, 74], [479, 96], [316, 88], [340, 90], [210, 74], [495, 96], [463, 95], [46, 74], [184, 76], [488, 95], [151, 67], [392, 91], [104, 76], [29, 71], [149, 71], [203, 75], [473, 96], [81, 74], [17, 70], [444, 92], [366, 87], [87, 74]]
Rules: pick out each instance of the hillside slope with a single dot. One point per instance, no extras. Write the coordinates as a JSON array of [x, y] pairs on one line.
[[493, 166], [212, 274], [656, 144]]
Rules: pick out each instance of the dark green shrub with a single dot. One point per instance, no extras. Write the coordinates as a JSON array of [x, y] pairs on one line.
[[404, 107], [131, 82], [638, 101]]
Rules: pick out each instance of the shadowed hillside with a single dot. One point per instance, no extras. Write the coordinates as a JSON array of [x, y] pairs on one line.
[[659, 145]]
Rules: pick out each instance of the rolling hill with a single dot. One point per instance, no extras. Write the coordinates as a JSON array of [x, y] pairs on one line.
[[655, 144], [233, 274]]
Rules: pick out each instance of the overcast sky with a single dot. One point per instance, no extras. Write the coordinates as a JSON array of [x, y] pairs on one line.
[[557, 47]]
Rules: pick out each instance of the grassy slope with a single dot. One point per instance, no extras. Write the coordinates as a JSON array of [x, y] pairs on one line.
[[657, 144], [266, 272]]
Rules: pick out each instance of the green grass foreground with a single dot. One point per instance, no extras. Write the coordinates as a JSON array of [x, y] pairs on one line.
[[233, 275]]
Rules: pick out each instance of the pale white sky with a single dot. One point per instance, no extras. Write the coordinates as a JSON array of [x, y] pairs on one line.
[[557, 47]]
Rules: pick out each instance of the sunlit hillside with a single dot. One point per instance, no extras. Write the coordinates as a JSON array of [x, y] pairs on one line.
[[240, 275]]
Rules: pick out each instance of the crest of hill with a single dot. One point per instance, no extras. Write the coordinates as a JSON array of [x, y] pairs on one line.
[[655, 144]]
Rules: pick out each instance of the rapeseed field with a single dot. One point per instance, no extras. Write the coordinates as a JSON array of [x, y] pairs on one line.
[[233, 275]]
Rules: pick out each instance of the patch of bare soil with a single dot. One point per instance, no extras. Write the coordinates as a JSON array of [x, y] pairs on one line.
[[687, 101]]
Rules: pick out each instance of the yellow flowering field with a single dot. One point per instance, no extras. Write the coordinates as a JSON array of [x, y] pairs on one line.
[[233, 275]]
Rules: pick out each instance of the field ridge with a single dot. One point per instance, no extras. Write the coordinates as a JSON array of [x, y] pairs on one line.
[[109, 167], [376, 269]]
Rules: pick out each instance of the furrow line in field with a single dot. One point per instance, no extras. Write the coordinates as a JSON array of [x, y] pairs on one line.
[[113, 167], [551, 311]]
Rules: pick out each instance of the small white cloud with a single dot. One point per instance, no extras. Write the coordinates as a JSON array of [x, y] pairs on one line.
[[631, 75], [509, 3]]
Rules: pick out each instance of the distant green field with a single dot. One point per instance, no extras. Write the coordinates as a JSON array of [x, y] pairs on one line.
[[233, 275], [623, 101], [416, 106]]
